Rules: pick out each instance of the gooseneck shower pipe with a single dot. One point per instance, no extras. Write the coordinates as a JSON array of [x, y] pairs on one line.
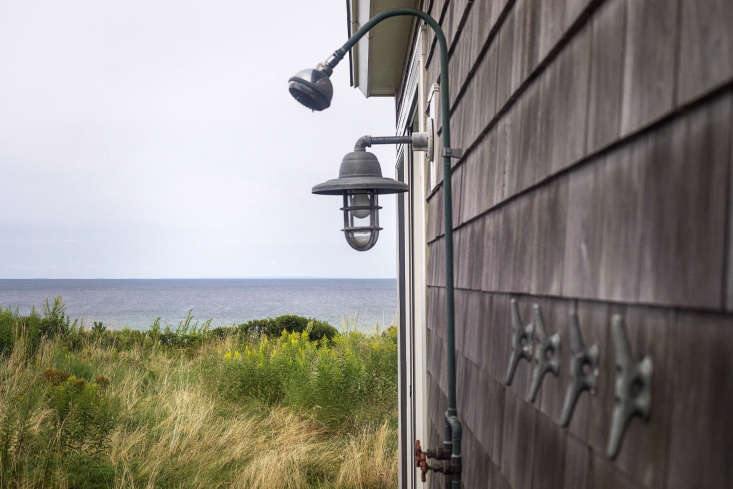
[[453, 425]]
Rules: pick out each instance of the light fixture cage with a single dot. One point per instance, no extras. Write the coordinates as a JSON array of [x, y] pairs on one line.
[[361, 237], [360, 175]]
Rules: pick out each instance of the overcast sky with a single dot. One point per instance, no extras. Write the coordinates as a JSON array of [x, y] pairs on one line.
[[157, 139]]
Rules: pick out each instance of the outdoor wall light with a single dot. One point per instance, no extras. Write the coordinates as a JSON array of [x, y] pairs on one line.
[[360, 182]]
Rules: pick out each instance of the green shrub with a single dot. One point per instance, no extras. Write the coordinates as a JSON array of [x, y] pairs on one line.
[[126, 339], [83, 421], [273, 327], [54, 322], [343, 382], [288, 322], [84, 417], [318, 330], [254, 328], [31, 328]]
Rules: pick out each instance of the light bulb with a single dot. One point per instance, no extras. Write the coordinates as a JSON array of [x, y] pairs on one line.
[[362, 238], [360, 200]]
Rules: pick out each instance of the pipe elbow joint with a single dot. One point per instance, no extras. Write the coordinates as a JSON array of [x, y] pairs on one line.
[[362, 143]]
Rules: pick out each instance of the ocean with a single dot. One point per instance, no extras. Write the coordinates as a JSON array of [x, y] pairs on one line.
[[136, 303]]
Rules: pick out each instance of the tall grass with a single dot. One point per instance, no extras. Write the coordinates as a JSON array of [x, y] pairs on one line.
[[195, 408]]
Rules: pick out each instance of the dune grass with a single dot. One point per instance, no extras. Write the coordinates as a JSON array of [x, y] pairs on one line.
[[193, 409]]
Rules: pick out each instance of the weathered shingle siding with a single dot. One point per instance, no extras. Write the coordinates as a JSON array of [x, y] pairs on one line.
[[597, 178]]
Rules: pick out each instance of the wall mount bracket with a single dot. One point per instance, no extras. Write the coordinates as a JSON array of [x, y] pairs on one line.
[[521, 343], [453, 153], [546, 356], [583, 370], [633, 387]]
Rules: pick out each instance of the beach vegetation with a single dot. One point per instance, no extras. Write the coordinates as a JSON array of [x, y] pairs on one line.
[[277, 403]]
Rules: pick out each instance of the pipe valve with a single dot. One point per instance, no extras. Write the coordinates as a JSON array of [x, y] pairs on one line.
[[448, 465]]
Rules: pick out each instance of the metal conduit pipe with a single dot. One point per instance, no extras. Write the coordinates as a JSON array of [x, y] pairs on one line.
[[365, 141], [453, 428], [420, 141]]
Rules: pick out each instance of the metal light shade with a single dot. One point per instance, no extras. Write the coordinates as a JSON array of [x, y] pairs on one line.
[[360, 170], [312, 88], [360, 182]]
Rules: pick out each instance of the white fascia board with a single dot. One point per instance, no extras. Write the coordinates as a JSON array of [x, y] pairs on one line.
[[359, 13], [379, 56]]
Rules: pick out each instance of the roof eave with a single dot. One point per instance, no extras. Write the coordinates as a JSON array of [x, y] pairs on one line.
[[376, 62]]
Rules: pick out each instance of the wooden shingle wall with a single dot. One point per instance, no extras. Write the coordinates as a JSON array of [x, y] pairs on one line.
[[597, 179]]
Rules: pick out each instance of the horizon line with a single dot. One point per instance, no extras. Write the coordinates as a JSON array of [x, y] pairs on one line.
[[202, 278]]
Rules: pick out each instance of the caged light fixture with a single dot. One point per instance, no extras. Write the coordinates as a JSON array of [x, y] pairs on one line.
[[360, 182]]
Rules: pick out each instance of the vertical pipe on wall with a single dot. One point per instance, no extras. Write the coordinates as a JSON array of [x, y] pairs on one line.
[[401, 338]]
